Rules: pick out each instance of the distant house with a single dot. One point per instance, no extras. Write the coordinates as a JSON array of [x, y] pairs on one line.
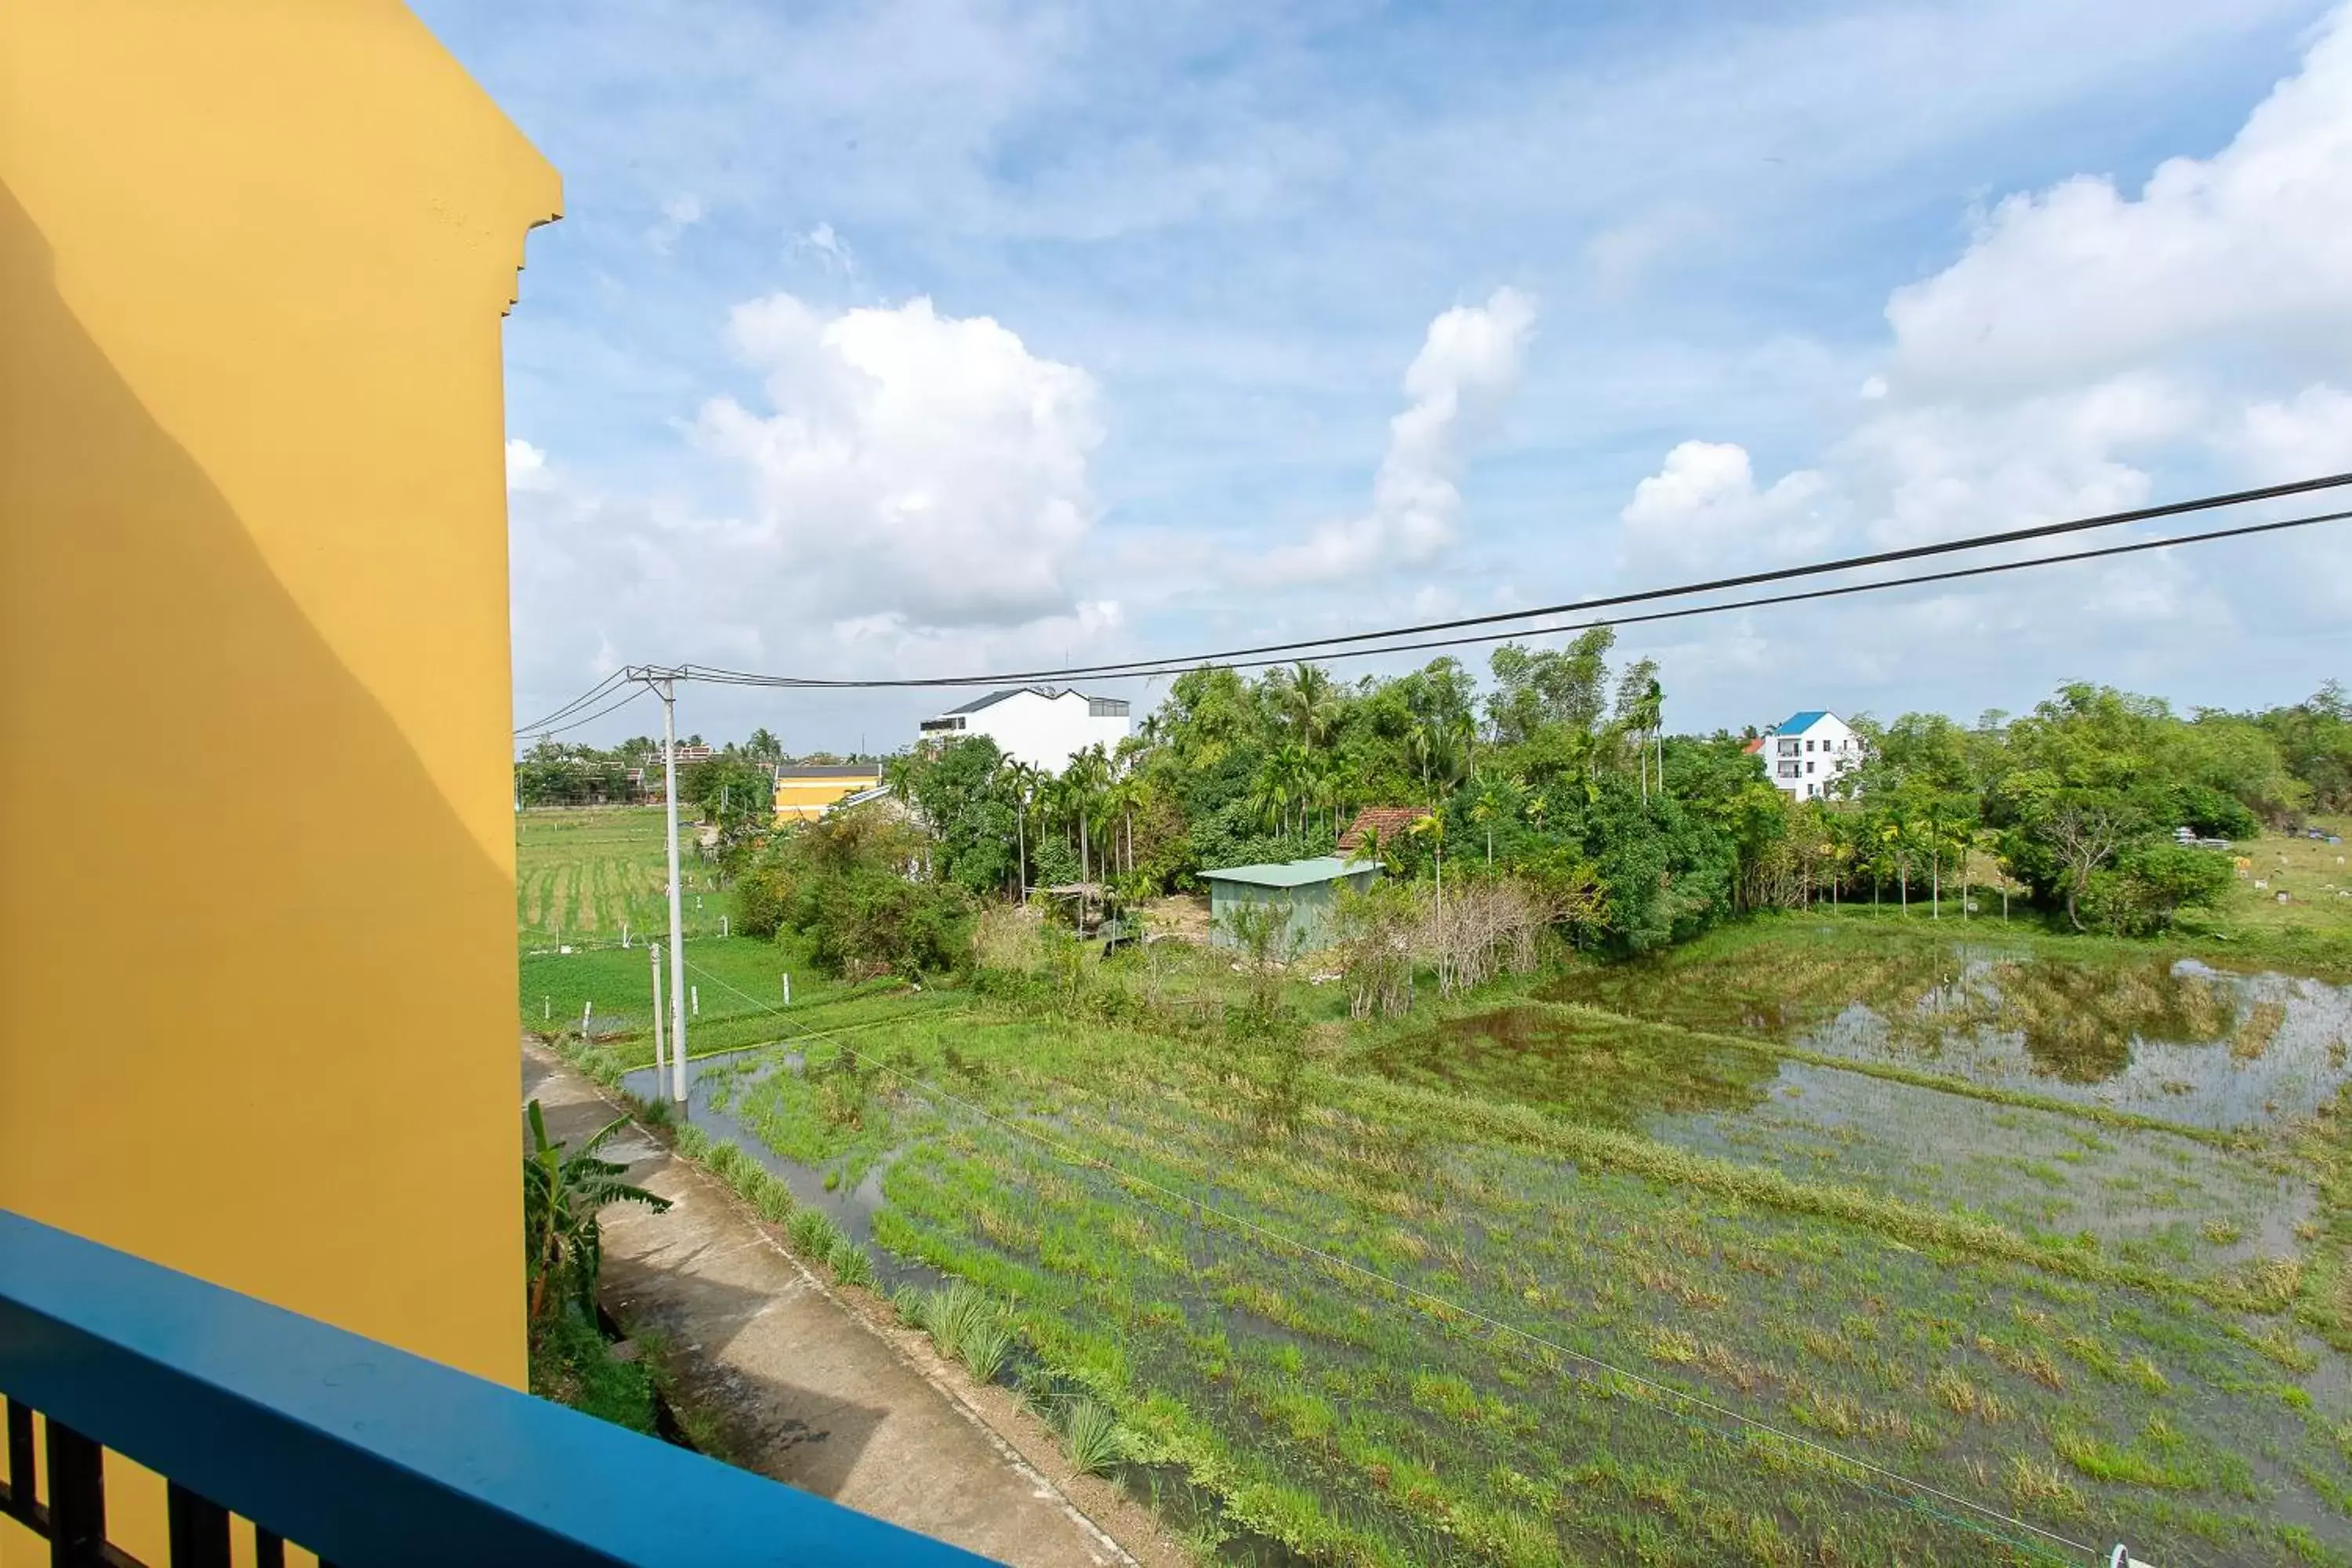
[[1379, 826], [1807, 752], [805, 791], [1305, 890], [1036, 724]]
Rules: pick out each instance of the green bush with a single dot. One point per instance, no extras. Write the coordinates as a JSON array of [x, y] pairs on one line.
[[2212, 814], [762, 898], [2151, 884], [814, 1234], [851, 1266], [570, 1364], [1096, 1442]]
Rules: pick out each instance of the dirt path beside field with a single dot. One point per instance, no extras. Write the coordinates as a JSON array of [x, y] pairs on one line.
[[813, 1387]]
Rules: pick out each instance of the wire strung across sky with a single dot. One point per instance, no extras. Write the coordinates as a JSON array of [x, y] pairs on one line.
[[1369, 643], [543, 728], [1691, 1408], [728, 678]]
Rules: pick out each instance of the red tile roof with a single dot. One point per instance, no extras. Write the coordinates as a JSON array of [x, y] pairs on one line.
[[1389, 821], [1755, 745]]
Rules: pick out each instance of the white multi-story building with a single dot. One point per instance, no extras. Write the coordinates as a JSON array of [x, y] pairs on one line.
[[1806, 753], [1036, 724]]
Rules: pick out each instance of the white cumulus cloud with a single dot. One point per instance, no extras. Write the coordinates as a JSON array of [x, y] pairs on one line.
[[2298, 437], [1703, 505], [527, 466], [921, 467], [1459, 384], [2253, 243]]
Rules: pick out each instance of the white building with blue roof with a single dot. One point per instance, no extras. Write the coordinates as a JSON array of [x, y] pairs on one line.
[[1806, 752]]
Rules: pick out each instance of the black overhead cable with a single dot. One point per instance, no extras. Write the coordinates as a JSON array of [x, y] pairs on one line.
[[592, 694], [1346, 646], [1749, 579], [591, 718], [797, 683]]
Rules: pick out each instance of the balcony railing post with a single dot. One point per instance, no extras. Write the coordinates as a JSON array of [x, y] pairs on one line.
[[199, 1529], [76, 1498], [20, 1464]]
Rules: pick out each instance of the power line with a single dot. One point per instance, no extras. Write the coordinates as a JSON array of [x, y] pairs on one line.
[[1176, 667], [590, 695], [592, 717], [1073, 1156], [1887, 557]]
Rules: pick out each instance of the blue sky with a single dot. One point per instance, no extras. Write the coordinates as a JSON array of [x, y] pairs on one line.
[[891, 338]]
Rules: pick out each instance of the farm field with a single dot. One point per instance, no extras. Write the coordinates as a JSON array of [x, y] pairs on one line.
[[581, 874], [1726, 1258]]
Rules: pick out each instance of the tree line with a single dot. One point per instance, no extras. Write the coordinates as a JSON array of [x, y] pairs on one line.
[[1557, 772]]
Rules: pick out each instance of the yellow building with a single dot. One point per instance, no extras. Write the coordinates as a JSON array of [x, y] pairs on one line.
[[254, 256], [805, 793]]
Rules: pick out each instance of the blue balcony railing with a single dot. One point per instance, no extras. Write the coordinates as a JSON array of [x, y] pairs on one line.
[[363, 1453]]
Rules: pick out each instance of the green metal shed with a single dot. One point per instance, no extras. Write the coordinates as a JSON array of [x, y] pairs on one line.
[[1307, 889]]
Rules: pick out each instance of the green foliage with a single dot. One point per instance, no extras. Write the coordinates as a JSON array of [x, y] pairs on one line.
[[853, 884], [1093, 1435], [815, 1235], [974, 801], [2314, 739], [2151, 884], [562, 1244], [554, 773], [571, 1364]]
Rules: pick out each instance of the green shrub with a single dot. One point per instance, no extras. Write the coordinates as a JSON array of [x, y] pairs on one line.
[[814, 1234], [1096, 1442], [986, 1347], [851, 1266], [2151, 884]]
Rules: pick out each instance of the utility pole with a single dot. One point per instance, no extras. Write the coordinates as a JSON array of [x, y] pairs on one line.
[[654, 953], [667, 688]]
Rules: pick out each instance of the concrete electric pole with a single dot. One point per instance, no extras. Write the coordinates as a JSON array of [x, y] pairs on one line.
[[667, 686]]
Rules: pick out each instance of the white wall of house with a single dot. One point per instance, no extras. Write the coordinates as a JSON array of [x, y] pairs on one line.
[[1803, 763], [1045, 731]]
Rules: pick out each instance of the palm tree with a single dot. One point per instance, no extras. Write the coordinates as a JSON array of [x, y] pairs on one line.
[[1310, 700], [1024, 780], [561, 1196], [1270, 796], [1648, 722], [1421, 744]]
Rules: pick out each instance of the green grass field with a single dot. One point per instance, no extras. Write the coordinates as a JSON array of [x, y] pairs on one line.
[[580, 874], [1615, 1267], [1704, 1259]]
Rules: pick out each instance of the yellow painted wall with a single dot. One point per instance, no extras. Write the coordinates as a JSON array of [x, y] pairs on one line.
[[256, 955], [806, 799]]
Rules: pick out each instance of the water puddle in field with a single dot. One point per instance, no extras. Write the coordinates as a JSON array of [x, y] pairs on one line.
[[716, 1088], [2172, 1039], [1583, 1066], [2146, 1196]]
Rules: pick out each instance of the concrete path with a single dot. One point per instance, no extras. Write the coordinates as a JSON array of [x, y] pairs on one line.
[[799, 1385]]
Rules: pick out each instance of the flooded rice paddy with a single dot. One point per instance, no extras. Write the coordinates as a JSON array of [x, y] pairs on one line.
[[2170, 1039], [1682, 1263]]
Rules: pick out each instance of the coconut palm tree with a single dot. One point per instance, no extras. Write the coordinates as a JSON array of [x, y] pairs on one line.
[[1271, 794], [1647, 720], [1310, 702], [1024, 781]]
